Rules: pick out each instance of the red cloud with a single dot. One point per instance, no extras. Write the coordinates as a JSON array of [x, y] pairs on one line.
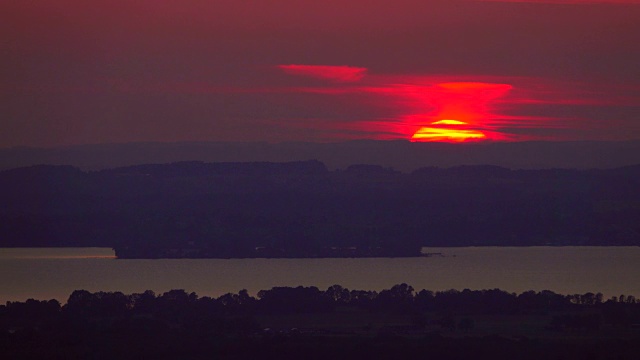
[[573, 2], [333, 73]]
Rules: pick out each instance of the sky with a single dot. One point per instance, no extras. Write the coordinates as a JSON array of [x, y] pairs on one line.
[[90, 72]]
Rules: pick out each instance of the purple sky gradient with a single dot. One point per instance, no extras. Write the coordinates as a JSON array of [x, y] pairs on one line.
[[83, 72]]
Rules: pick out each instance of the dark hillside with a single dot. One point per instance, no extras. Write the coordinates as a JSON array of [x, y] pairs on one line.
[[260, 209]]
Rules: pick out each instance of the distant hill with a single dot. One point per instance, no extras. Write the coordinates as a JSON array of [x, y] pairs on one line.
[[400, 155], [303, 209]]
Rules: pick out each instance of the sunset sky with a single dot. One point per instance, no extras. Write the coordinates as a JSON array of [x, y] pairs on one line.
[[87, 72]]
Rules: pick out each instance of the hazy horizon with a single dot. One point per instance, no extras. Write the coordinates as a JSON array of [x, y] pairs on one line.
[[398, 154]]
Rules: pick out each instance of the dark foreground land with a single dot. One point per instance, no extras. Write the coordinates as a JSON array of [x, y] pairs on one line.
[[302, 209], [337, 323]]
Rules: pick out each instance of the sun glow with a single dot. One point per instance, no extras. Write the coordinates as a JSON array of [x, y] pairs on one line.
[[423, 108], [458, 111]]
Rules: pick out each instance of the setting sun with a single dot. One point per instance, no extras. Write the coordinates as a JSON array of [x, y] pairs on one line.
[[448, 133], [437, 134], [449, 122]]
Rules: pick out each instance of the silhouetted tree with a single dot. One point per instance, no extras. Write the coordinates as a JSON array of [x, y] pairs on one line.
[[338, 294], [466, 324]]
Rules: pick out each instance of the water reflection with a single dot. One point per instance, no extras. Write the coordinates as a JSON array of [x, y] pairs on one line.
[[55, 273]]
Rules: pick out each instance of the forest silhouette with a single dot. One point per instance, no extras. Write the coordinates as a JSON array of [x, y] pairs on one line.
[[397, 322]]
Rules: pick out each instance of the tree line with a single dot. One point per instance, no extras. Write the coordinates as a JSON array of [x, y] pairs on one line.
[[182, 325], [401, 298]]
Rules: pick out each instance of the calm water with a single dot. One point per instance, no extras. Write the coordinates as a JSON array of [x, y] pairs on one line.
[[44, 273]]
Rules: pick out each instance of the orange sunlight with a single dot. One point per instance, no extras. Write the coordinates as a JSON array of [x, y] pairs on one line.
[[449, 133], [449, 122]]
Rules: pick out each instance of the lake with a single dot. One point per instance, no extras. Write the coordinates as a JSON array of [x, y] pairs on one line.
[[53, 273]]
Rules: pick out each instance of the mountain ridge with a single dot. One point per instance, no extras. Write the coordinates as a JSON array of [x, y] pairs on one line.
[[401, 155], [303, 209]]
